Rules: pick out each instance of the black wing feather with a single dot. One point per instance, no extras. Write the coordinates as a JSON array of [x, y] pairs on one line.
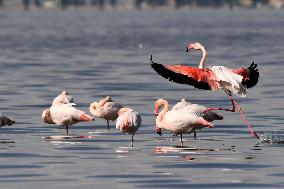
[[253, 77], [177, 77]]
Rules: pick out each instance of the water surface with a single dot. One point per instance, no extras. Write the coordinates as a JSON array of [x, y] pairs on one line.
[[93, 54]]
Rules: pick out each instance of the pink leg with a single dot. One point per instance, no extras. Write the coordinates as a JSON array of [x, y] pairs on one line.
[[234, 103], [253, 132], [225, 109]]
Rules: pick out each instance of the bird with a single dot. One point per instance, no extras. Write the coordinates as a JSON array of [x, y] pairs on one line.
[[128, 121], [179, 121], [183, 103], [64, 114], [5, 121], [106, 109], [199, 110], [232, 81], [63, 98]]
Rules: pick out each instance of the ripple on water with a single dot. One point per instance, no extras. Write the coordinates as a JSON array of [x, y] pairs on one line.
[[271, 138]]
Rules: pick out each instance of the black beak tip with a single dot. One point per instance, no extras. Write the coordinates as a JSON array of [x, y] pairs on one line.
[[160, 133], [187, 50]]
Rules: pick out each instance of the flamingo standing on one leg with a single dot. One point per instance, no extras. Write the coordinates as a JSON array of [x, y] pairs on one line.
[[217, 77], [178, 121], [198, 110], [128, 121], [106, 109], [64, 114], [5, 121]]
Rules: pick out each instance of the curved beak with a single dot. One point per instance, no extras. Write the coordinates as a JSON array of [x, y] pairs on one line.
[[158, 130], [189, 47]]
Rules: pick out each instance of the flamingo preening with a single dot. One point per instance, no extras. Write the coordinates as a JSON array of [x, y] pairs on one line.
[[234, 81], [180, 121], [64, 114], [198, 110], [63, 98], [128, 121], [106, 109]]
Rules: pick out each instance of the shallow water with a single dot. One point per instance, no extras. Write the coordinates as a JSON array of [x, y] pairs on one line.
[[94, 54]]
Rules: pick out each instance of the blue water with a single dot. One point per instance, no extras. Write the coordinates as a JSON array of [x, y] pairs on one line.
[[93, 54]]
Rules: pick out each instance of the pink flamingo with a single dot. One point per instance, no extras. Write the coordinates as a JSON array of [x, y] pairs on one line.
[[128, 121], [63, 98], [64, 114], [217, 77], [106, 109], [5, 121], [178, 121], [198, 110]]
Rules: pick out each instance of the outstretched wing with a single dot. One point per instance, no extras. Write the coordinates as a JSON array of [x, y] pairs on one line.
[[199, 78]]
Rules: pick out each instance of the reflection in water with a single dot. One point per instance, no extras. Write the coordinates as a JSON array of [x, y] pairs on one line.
[[6, 143]]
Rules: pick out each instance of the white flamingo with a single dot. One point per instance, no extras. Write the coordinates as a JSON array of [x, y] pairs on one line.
[[128, 121], [177, 121], [106, 109], [64, 114], [63, 98], [198, 110]]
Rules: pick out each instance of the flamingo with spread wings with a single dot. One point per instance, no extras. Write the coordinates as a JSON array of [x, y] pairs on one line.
[[234, 81]]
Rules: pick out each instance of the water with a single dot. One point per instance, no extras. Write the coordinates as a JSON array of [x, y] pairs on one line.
[[94, 54]]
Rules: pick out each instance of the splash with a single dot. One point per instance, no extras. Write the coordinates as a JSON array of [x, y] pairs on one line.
[[271, 138]]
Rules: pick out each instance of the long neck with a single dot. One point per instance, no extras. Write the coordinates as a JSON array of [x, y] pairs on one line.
[[103, 101], [202, 61], [162, 113]]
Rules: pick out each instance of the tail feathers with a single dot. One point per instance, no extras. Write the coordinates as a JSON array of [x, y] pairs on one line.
[[86, 117], [253, 76]]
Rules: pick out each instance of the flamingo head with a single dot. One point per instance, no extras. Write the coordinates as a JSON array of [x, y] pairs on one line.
[[46, 117], [158, 130], [195, 46]]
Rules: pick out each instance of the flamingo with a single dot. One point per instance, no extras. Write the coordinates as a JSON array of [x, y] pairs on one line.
[[128, 121], [106, 109], [64, 114], [5, 121], [179, 121], [198, 110], [234, 81], [63, 98]]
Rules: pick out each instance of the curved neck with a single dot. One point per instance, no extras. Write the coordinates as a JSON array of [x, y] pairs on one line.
[[162, 113], [93, 107], [202, 61], [103, 101]]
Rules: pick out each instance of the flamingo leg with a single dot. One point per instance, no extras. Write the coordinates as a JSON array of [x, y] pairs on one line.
[[107, 124], [194, 134], [132, 140], [235, 104], [181, 142], [225, 109], [252, 131], [67, 129]]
